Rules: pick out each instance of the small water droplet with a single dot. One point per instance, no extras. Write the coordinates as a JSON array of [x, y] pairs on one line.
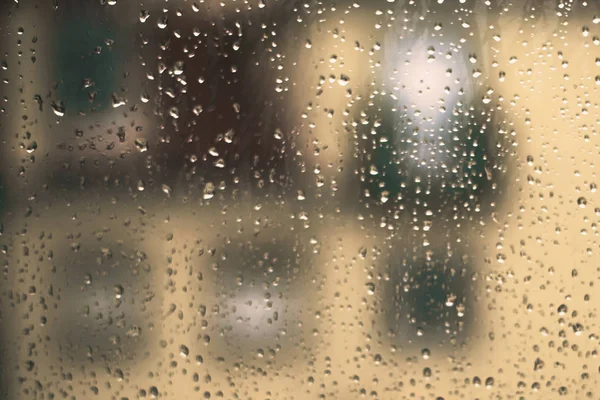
[[144, 14], [585, 31], [162, 22], [209, 190], [370, 288], [184, 351], [141, 144], [58, 108]]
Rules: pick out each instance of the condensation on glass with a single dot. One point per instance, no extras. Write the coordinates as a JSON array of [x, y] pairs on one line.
[[261, 199]]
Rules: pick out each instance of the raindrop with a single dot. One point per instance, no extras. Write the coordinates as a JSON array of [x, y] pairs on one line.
[[117, 101], [144, 14], [209, 190], [141, 144], [562, 309], [58, 108], [184, 351], [370, 288], [585, 31], [162, 22]]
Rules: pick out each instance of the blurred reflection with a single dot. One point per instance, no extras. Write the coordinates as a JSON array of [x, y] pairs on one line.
[[103, 299], [425, 137], [428, 297], [70, 125], [261, 288], [86, 62], [216, 117], [84, 287]]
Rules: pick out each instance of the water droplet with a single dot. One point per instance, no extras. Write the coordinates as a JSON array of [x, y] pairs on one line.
[[209, 190], [117, 101], [58, 108], [178, 68], [228, 137], [585, 31], [144, 14], [134, 331], [141, 144], [370, 288], [344, 80], [197, 110], [184, 351], [162, 22], [119, 290]]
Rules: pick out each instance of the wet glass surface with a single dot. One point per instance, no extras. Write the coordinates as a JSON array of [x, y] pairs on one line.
[[299, 200]]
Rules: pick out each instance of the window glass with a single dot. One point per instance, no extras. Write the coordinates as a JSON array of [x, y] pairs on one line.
[[280, 199]]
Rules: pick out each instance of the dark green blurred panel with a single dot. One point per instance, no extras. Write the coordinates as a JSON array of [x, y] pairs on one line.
[[429, 298], [440, 188], [83, 53]]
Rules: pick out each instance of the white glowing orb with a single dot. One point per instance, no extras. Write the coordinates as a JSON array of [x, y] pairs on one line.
[[427, 84], [430, 85]]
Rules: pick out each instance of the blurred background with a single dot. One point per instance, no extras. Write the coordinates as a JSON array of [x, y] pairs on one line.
[[270, 199]]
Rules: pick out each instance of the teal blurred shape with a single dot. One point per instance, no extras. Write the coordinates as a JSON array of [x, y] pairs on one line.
[[77, 60], [462, 172]]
